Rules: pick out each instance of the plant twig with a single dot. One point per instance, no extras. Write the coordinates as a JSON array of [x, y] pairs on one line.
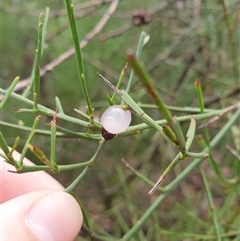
[[147, 82], [80, 65], [9, 91], [69, 53], [170, 187], [211, 205], [73, 185], [36, 67]]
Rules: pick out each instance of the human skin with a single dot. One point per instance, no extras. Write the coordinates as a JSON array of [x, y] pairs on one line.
[[34, 207]]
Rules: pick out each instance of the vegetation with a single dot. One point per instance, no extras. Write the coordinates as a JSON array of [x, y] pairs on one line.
[[174, 173]]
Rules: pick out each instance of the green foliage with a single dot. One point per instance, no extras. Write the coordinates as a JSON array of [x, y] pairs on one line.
[[183, 150]]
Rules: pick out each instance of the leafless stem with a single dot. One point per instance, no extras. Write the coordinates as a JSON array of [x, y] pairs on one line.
[[66, 55]]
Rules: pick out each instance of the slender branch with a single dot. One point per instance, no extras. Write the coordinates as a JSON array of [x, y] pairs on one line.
[[36, 67], [79, 178], [9, 91], [221, 134], [69, 53], [80, 65]]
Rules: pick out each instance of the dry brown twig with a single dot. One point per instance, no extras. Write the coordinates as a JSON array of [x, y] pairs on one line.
[[138, 17], [80, 7], [217, 117], [234, 152], [65, 26], [54, 14]]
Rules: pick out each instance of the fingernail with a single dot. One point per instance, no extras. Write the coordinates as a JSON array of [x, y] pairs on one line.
[[55, 217]]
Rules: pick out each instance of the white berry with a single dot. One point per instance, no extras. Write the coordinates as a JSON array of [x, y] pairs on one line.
[[115, 119]]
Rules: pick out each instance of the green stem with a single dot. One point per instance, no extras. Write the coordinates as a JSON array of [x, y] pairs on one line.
[[170, 167], [73, 185], [221, 134], [194, 110], [44, 110], [180, 156], [9, 91], [212, 206], [190, 133], [147, 82], [194, 236], [36, 67], [138, 54], [196, 155], [59, 105], [44, 27], [42, 157], [3, 144], [64, 134], [8, 154], [53, 144], [29, 139], [118, 85], [15, 145], [99, 237], [200, 95], [144, 126], [61, 168], [73, 26]]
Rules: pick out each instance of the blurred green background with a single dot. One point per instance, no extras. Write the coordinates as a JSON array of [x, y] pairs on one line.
[[189, 40]]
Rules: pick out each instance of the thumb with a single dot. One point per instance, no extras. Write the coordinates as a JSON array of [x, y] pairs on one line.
[[41, 216]]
